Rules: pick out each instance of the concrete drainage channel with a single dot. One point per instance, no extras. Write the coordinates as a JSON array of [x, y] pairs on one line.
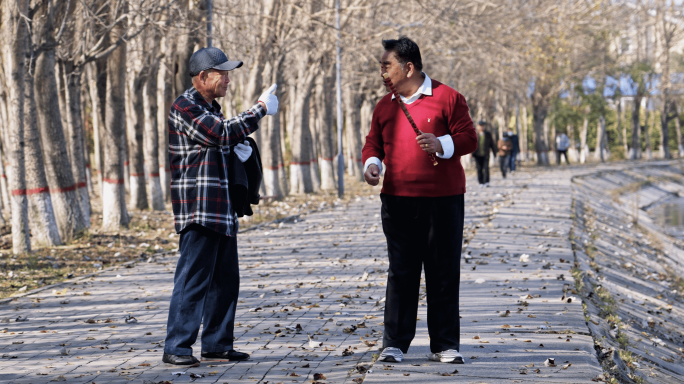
[[629, 273]]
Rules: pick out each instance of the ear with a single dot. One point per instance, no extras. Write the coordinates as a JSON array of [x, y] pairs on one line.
[[411, 69]]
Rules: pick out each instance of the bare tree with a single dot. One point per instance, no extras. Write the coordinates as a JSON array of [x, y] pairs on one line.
[[15, 34], [114, 212], [42, 220]]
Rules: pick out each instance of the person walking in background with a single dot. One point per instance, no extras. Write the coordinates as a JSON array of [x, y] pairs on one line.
[[505, 147], [562, 145], [485, 144], [514, 151], [422, 204]]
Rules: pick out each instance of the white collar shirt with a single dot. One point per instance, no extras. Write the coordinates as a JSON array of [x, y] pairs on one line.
[[424, 89]]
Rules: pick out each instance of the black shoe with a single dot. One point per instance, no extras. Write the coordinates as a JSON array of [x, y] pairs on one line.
[[231, 355], [181, 360]]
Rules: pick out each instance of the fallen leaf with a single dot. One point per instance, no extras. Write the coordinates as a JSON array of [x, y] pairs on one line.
[[319, 376]]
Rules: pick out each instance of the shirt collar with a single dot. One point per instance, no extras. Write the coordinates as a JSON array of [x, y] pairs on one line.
[[201, 100], [424, 89]]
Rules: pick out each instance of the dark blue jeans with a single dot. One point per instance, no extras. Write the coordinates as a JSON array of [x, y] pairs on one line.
[[511, 160], [205, 290]]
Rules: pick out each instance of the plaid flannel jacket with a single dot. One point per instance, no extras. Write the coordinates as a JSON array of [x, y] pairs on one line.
[[200, 139]]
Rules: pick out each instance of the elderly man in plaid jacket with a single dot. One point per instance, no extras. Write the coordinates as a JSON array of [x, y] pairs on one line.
[[207, 279]]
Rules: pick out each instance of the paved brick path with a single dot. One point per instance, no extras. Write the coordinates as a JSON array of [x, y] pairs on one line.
[[326, 274]]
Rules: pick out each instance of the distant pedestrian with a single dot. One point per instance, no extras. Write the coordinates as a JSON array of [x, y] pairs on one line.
[[505, 147], [485, 144], [562, 145], [207, 279], [516, 149]]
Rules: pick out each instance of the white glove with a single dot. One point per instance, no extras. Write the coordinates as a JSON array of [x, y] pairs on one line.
[[243, 151], [270, 100]]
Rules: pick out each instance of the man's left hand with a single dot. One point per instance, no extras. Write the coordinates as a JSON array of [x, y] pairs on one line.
[[430, 143]]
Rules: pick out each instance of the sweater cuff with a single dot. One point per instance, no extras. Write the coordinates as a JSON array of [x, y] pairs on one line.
[[447, 147], [373, 160]]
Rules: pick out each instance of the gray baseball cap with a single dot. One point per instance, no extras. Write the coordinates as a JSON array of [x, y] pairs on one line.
[[211, 58]]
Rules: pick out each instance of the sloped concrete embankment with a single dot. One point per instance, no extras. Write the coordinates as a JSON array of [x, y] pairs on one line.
[[629, 272]]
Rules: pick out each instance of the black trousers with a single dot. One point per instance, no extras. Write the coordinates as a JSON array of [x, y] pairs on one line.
[[503, 164], [558, 157], [482, 163], [423, 231]]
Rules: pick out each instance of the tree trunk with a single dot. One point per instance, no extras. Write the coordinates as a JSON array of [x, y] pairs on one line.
[[315, 172], [185, 47], [164, 100], [4, 103], [75, 139], [678, 132], [114, 213], [635, 151], [324, 103], [572, 151], [625, 146], [523, 139], [539, 113], [352, 105], [665, 133], [600, 135], [300, 142], [647, 136], [16, 33], [584, 147], [97, 117], [271, 154], [136, 158], [42, 220], [151, 139], [59, 175]]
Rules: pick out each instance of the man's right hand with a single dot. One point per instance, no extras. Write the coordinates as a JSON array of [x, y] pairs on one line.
[[269, 100], [372, 175]]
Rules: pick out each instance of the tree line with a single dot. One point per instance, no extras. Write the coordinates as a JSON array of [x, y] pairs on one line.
[[86, 86]]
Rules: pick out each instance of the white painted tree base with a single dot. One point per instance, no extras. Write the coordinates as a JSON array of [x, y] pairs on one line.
[[300, 179], [21, 242], [315, 176], [327, 175], [114, 213], [272, 182], [44, 231]]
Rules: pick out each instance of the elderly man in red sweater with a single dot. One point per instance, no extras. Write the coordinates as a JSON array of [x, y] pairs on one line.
[[422, 204]]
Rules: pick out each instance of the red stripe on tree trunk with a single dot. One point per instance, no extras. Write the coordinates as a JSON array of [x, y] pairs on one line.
[[300, 162], [154, 175], [114, 181]]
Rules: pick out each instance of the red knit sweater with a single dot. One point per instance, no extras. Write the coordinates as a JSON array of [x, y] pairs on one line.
[[409, 171]]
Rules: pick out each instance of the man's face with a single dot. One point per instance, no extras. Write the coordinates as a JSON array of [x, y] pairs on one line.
[[216, 82], [480, 128], [390, 65]]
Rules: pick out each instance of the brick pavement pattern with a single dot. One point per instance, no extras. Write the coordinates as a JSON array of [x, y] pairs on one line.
[[324, 277]]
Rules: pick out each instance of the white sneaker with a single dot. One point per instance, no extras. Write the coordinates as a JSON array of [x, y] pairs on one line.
[[449, 356], [391, 354], [486, 185]]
